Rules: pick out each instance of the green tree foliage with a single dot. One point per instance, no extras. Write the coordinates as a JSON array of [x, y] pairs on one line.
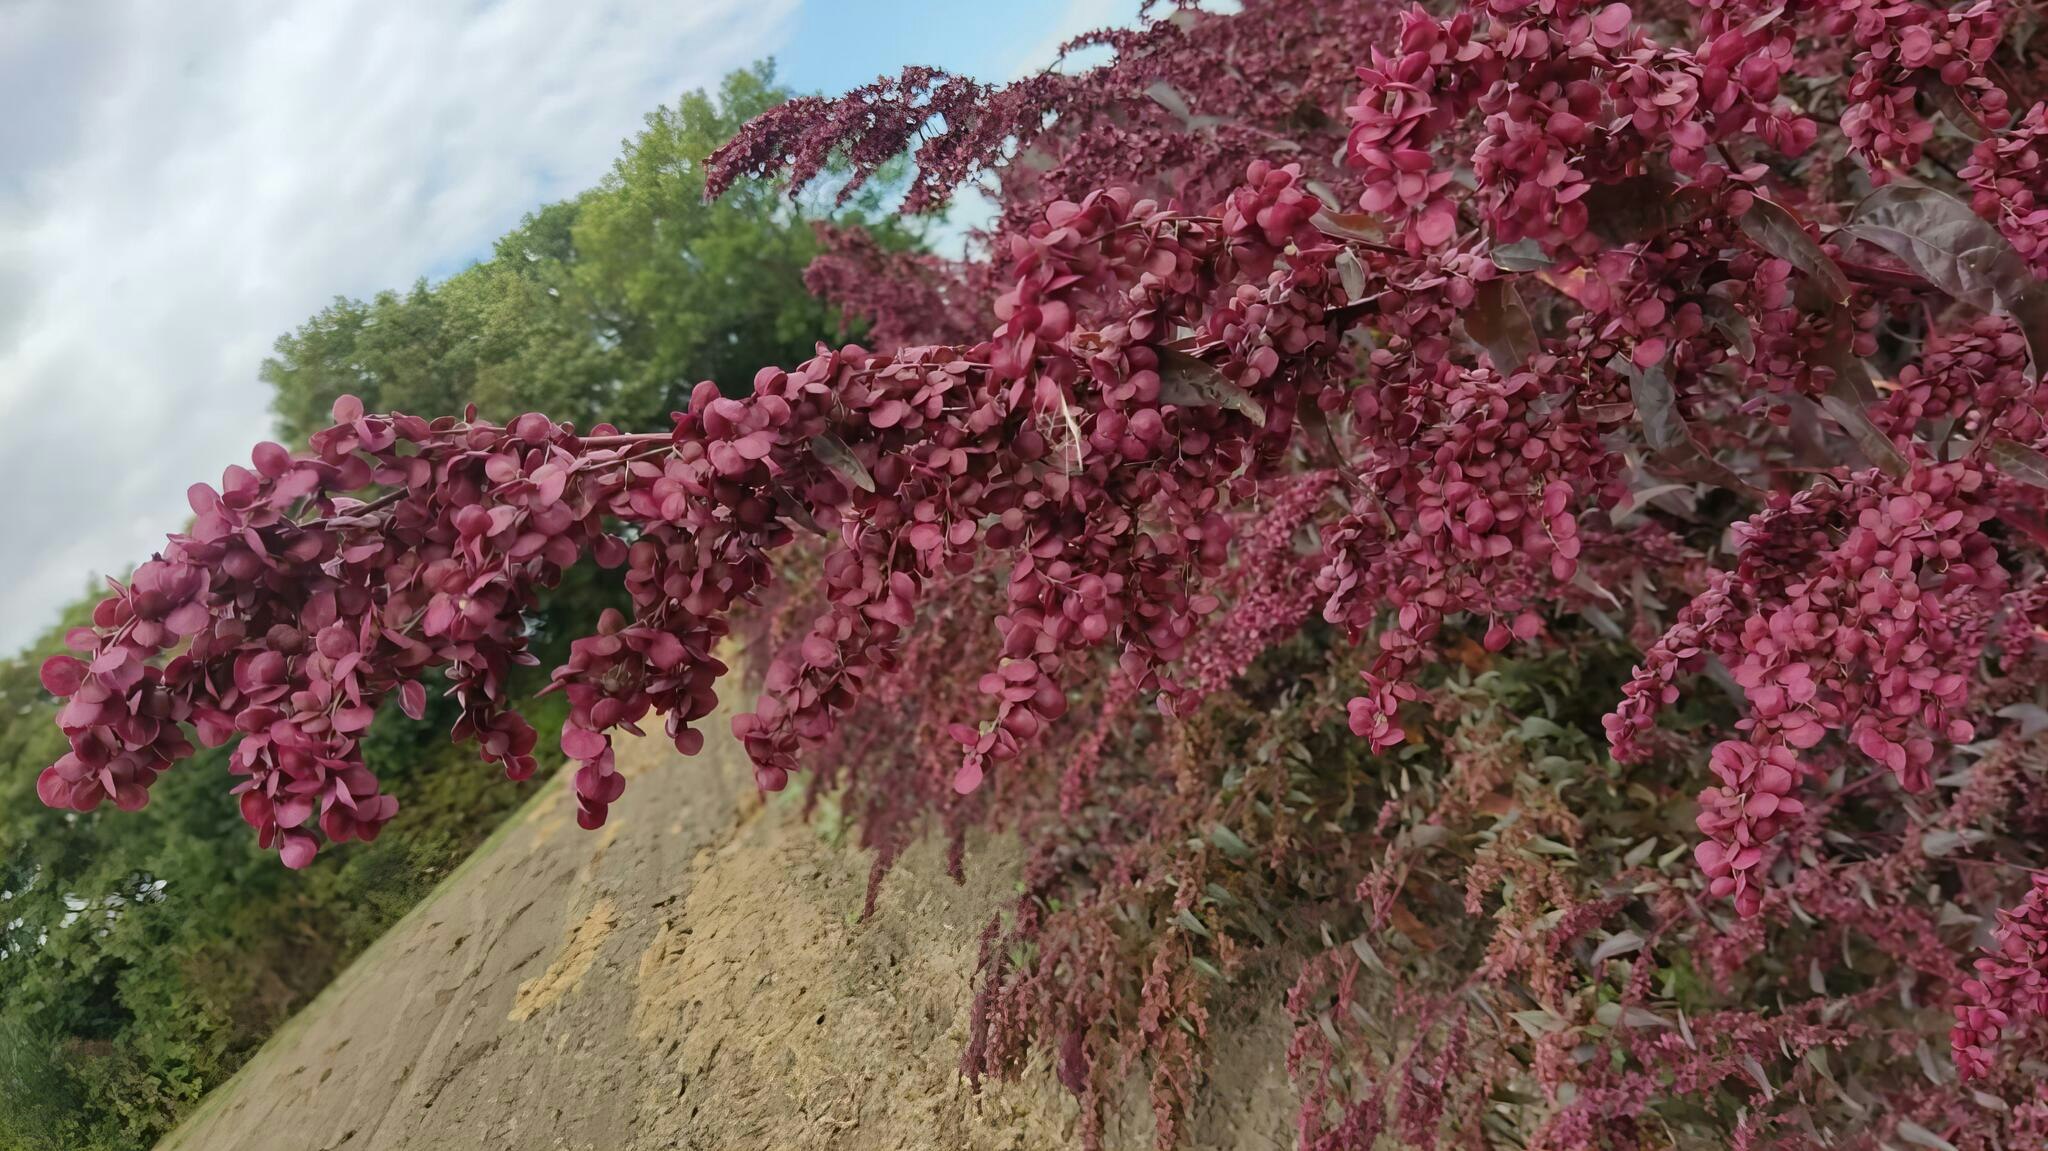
[[607, 307], [122, 1002]]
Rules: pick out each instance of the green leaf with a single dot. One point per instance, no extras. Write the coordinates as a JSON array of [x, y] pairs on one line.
[[1350, 273], [1622, 943], [1176, 104], [1187, 919], [2033, 719], [1521, 256], [1615, 1015], [1672, 446], [1943, 242], [1428, 834], [795, 512], [1732, 324], [1640, 208], [1945, 99], [1538, 1022], [1664, 427], [1936, 844], [1756, 1071], [1946, 841], [1228, 841], [1920, 1136]]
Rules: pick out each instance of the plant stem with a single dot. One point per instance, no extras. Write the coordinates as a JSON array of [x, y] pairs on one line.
[[623, 440]]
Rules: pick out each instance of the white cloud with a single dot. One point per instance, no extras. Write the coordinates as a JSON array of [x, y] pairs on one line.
[[1077, 18], [181, 183]]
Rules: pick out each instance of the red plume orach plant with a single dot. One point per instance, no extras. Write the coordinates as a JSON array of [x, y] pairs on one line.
[[1355, 336]]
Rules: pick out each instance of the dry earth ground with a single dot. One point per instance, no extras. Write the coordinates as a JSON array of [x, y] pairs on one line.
[[692, 976]]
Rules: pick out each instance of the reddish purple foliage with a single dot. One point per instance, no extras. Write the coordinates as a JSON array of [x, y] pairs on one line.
[[1504, 337], [904, 298], [2010, 992]]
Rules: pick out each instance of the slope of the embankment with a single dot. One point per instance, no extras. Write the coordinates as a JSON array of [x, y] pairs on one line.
[[693, 975]]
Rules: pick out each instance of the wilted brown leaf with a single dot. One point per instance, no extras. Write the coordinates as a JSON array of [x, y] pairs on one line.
[[1348, 225], [1193, 383], [833, 453], [1638, 208], [1499, 323]]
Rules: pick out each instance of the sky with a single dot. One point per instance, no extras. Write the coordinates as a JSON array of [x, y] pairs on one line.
[[182, 183]]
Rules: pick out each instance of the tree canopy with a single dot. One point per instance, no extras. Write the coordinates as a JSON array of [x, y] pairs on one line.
[[142, 960], [606, 307]]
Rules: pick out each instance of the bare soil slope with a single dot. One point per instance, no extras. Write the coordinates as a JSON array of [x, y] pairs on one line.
[[691, 976]]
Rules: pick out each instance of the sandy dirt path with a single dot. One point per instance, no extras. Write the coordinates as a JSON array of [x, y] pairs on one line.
[[692, 975]]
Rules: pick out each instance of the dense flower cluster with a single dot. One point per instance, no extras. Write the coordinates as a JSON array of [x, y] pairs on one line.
[[1540, 84], [1523, 329], [1975, 372], [2007, 183], [2010, 991], [1269, 591], [1871, 633], [1479, 505], [904, 298], [1902, 47], [1185, 105]]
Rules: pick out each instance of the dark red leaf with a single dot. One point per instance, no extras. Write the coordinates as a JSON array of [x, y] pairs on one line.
[[1943, 242], [1845, 403], [62, 675], [1778, 231]]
